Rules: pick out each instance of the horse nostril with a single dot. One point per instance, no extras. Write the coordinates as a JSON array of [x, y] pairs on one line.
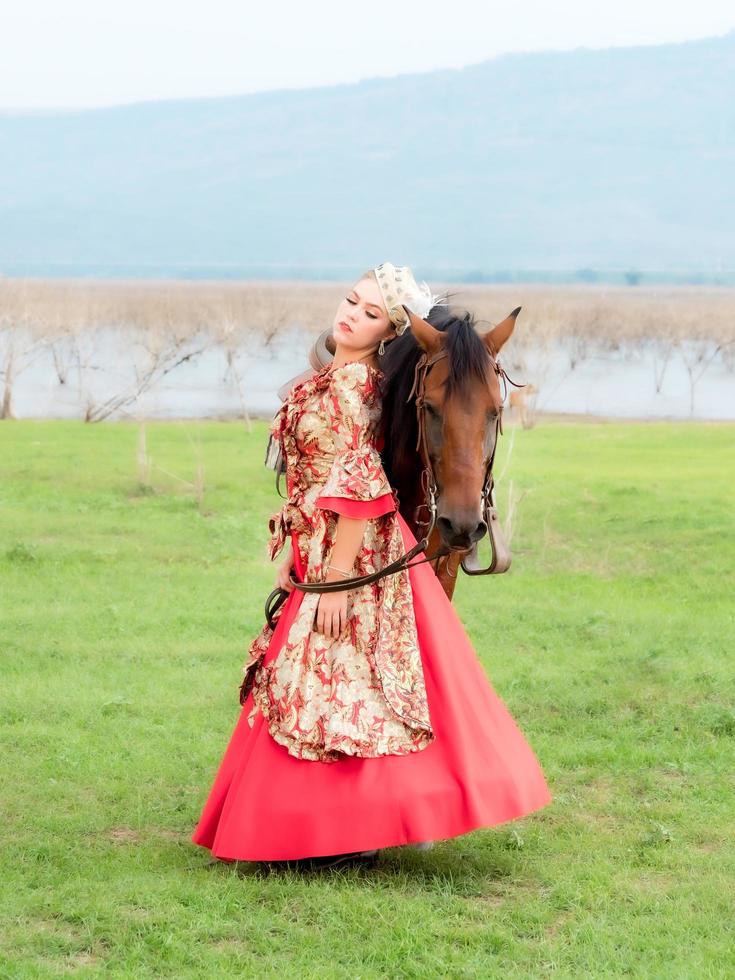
[[459, 534], [445, 528], [480, 531]]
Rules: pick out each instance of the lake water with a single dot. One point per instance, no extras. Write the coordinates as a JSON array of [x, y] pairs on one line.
[[615, 384]]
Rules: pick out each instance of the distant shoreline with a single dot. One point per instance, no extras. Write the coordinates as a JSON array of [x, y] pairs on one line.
[[243, 274]]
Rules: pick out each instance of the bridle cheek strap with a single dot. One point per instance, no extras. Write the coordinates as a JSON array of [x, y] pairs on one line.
[[501, 557]]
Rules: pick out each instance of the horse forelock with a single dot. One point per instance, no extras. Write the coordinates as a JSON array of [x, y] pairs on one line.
[[468, 358]]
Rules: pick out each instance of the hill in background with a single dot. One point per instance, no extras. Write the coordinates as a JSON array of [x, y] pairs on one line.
[[553, 165]]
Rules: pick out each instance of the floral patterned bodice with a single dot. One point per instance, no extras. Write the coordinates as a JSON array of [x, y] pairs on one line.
[[361, 693]]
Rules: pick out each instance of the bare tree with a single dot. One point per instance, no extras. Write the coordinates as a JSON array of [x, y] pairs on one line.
[[230, 318], [21, 342], [163, 334], [272, 310]]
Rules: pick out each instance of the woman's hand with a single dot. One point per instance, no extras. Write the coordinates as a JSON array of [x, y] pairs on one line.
[[283, 580], [331, 613]]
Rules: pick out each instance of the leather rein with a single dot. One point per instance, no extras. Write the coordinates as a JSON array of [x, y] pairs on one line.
[[501, 556]]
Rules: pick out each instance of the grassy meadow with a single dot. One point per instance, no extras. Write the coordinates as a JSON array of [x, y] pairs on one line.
[[126, 607]]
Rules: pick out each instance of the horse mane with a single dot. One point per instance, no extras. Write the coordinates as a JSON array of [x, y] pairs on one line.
[[468, 358]]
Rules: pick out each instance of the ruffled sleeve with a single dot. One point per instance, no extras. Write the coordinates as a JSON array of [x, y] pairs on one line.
[[356, 484]]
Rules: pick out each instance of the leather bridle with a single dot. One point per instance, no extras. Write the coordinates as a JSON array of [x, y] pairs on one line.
[[500, 561]]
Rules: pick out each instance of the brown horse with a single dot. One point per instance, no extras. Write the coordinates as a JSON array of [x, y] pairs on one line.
[[462, 403]]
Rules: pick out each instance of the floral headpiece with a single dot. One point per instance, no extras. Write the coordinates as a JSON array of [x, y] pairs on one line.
[[399, 289]]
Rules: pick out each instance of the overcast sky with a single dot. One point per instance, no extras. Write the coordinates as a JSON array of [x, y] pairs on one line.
[[90, 52]]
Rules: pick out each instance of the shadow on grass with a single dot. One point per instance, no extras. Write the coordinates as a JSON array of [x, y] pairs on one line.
[[444, 868]]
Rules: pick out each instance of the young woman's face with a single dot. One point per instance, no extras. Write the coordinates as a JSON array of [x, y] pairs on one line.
[[361, 321]]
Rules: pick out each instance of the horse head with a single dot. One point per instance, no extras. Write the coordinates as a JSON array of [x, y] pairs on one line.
[[459, 409]]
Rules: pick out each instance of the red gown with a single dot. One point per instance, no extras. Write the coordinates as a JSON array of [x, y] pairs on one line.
[[476, 771]]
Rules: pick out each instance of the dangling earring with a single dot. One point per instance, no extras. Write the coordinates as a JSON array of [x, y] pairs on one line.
[[381, 347]]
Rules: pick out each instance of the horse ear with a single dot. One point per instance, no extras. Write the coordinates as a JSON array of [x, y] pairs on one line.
[[427, 337], [495, 338]]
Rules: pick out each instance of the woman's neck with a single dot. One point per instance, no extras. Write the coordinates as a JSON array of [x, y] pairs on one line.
[[344, 356]]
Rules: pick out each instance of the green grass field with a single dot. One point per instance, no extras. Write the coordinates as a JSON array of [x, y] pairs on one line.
[[125, 614]]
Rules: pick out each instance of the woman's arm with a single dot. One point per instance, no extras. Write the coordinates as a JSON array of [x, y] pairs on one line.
[[356, 488], [331, 613], [348, 538]]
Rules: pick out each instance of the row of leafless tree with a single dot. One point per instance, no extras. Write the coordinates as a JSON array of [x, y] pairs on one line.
[[164, 325], [168, 323], [695, 322]]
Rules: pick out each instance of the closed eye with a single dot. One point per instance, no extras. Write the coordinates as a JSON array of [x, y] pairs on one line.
[[371, 315]]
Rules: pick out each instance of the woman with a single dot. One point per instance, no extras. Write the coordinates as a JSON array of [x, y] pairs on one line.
[[367, 719]]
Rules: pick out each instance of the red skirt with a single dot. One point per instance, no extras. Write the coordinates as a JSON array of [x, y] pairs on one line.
[[267, 805]]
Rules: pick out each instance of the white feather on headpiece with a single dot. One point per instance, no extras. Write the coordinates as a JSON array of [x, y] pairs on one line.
[[425, 301], [399, 289]]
